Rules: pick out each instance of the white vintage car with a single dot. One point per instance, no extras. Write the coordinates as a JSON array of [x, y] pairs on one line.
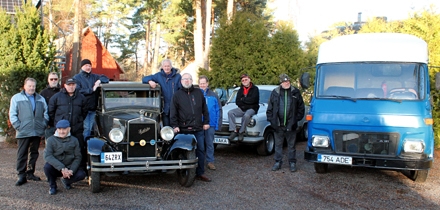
[[258, 131]]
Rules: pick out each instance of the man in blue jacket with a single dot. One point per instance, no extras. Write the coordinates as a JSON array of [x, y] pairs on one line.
[[215, 119], [28, 116], [169, 81], [87, 83]]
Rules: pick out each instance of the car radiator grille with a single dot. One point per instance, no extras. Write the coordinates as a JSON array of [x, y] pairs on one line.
[[142, 140], [366, 143]]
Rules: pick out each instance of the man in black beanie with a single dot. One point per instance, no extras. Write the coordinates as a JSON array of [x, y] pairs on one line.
[[87, 83]]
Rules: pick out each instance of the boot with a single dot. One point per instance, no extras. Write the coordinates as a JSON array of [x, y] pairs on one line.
[[277, 166]]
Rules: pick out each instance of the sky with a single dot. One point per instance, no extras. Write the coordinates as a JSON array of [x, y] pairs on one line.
[[311, 17]]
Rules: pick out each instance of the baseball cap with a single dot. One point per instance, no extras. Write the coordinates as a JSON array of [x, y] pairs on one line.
[[70, 81]]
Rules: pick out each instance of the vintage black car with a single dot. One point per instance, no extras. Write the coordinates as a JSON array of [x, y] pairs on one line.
[[129, 138]]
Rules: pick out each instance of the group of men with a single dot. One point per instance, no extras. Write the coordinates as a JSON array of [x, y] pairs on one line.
[[65, 116]]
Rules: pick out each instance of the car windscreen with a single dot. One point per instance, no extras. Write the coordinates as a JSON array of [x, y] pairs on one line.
[[264, 96], [125, 98]]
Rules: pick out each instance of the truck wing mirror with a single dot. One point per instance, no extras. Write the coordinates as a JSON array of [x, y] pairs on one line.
[[305, 80]]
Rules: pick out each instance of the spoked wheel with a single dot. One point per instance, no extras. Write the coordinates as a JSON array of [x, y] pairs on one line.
[[94, 177], [186, 176]]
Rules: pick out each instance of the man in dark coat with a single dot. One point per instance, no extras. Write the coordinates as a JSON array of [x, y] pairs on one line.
[[247, 100], [285, 109], [189, 115], [70, 105], [52, 87]]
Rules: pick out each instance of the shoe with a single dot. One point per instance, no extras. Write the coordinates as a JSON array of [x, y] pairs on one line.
[[232, 136], [276, 166], [203, 178], [64, 182], [211, 166], [292, 166], [21, 181], [241, 136], [52, 191], [33, 177]]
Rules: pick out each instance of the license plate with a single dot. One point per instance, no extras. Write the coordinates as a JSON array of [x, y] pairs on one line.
[[221, 141], [343, 160], [111, 157]]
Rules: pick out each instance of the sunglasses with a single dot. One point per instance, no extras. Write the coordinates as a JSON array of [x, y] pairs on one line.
[[53, 79]]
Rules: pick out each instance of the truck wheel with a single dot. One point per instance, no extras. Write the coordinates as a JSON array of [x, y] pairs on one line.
[[303, 133], [419, 175], [267, 147], [94, 177], [321, 168], [186, 176]]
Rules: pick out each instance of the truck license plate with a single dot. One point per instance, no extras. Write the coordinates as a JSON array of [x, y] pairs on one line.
[[221, 141], [111, 157], [343, 160]]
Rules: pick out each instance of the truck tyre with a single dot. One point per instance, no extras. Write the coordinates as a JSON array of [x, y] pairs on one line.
[[267, 147], [419, 175], [186, 176], [321, 168], [303, 133], [94, 177]]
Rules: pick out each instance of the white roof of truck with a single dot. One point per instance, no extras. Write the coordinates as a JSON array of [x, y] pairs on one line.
[[382, 47]]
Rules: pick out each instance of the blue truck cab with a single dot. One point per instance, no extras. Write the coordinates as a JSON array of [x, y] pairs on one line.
[[371, 105]]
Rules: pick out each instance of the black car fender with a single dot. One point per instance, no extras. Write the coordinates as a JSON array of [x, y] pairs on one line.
[[94, 146], [182, 141]]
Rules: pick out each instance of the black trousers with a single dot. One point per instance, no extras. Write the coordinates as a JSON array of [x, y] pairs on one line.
[[27, 154], [52, 174]]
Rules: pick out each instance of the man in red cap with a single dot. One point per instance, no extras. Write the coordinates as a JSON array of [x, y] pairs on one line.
[[247, 100]]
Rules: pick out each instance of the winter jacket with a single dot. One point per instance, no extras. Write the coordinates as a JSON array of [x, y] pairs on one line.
[[188, 110], [249, 101], [85, 82], [28, 123], [296, 108], [214, 108], [48, 92], [63, 152], [168, 83], [72, 108]]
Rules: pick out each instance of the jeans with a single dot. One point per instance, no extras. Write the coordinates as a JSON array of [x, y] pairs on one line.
[[88, 123], [165, 119], [200, 151], [27, 147], [52, 174], [245, 118], [290, 136], [209, 144]]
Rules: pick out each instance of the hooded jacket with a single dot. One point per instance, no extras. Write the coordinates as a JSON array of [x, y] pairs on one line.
[[295, 108], [214, 108], [26, 122], [63, 152], [188, 110], [85, 82], [249, 101], [73, 108], [168, 83]]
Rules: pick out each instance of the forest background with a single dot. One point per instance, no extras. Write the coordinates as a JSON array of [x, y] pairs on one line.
[[222, 38]]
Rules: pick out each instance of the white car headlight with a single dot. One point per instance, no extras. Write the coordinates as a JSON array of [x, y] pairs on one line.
[[167, 133], [413, 145], [320, 141], [116, 135], [252, 122]]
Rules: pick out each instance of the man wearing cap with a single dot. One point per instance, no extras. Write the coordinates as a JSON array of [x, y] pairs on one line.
[[247, 100], [63, 156], [87, 83], [52, 87], [285, 109], [28, 116], [69, 104]]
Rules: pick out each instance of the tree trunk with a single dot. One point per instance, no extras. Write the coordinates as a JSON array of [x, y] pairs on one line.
[[147, 62], [155, 64], [76, 55], [207, 34], [198, 36], [230, 9]]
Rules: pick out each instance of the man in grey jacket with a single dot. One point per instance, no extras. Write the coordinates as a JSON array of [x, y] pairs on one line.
[[28, 116], [63, 157]]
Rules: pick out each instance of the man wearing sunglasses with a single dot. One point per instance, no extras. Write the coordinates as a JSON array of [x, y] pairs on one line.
[[247, 100], [53, 86]]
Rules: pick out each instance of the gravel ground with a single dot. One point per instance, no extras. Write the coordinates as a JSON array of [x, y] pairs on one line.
[[243, 180]]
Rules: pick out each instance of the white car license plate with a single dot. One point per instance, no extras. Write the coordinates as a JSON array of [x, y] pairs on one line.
[[343, 160], [111, 157], [221, 141]]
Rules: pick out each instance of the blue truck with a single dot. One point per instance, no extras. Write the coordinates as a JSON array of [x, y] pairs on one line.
[[371, 105]]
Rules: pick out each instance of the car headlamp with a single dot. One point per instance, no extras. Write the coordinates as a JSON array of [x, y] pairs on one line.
[[320, 141], [167, 133], [413, 145], [116, 135], [252, 123]]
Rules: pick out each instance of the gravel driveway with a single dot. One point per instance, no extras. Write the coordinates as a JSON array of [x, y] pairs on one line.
[[243, 180]]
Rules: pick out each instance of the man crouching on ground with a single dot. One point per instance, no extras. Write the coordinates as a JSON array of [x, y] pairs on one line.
[[63, 156]]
